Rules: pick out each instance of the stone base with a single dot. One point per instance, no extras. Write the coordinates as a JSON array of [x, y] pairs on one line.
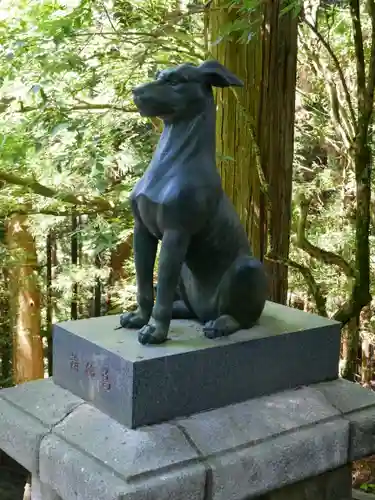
[[258, 447], [41, 491], [332, 485], [142, 385], [362, 495]]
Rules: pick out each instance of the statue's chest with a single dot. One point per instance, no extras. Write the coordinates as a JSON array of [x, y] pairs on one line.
[[161, 189], [173, 205]]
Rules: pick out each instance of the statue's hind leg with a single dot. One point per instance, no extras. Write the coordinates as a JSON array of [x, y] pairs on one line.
[[241, 298], [180, 309]]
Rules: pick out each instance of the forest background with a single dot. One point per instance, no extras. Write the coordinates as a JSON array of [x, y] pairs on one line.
[[295, 150]]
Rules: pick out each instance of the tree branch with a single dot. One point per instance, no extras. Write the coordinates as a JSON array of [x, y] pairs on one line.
[[317, 253], [312, 285], [337, 64], [37, 188], [81, 107], [50, 211], [84, 106], [348, 311], [353, 306], [338, 111], [371, 77], [108, 17], [359, 53]]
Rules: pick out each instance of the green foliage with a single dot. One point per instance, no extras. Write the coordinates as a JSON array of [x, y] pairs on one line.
[[72, 143], [247, 18], [324, 133], [66, 76], [368, 487], [70, 138], [65, 88]]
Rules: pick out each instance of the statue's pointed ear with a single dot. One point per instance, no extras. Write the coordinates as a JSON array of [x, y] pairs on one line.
[[218, 75]]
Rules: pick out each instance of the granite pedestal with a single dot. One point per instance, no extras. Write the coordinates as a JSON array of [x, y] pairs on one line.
[[293, 445], [140, 385], [253, 416]]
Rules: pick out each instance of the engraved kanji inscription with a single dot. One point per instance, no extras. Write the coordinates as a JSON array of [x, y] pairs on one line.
[[105, 383], [90, 370], [74, 362]]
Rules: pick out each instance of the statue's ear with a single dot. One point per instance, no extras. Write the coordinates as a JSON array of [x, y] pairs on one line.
[[218, 75]]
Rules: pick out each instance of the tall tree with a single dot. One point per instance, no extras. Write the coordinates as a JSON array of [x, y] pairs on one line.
[[255, 126], [5, 334], [351, 101], [24, 301]]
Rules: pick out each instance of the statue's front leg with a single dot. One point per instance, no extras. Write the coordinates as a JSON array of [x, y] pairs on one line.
[[145, 247], [172, 255]]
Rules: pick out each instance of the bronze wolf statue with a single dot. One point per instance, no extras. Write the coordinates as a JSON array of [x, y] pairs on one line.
[[206, 269]]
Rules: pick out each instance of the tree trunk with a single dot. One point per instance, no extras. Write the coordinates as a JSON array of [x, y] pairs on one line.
[[362, 160], [255, 132], [49, 302], [24, 302], [367, 346], [98, 289], [5, 333], [119, 256], [276, 135], [351, 345], [74, 261], [236, 125], [366, 369]]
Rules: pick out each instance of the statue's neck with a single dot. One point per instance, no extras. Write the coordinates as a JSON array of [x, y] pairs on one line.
[[189, 141]]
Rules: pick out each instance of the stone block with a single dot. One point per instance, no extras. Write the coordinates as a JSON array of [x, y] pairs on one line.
[[141, 385], [132, 454], [41, 491], [362, 433], [280, 439], [357, 406], [28, 412], [272, 464], [229, 453], [77, 475], [331, 485], [43, 399], [256, 420], [346, 396], [20, 435]]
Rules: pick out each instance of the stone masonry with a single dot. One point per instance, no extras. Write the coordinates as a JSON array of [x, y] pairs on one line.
[[242, 451]]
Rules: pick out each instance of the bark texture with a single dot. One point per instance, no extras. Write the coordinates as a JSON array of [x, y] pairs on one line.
[[5, 334], [255, 131], [24, 302], [236, 124], [276, 135]]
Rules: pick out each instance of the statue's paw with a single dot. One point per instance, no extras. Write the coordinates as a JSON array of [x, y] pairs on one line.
[[220, 327], [150, 334], [132, 320], [210, 330]]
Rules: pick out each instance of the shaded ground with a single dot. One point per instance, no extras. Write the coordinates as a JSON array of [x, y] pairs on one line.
[[12, 479]]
